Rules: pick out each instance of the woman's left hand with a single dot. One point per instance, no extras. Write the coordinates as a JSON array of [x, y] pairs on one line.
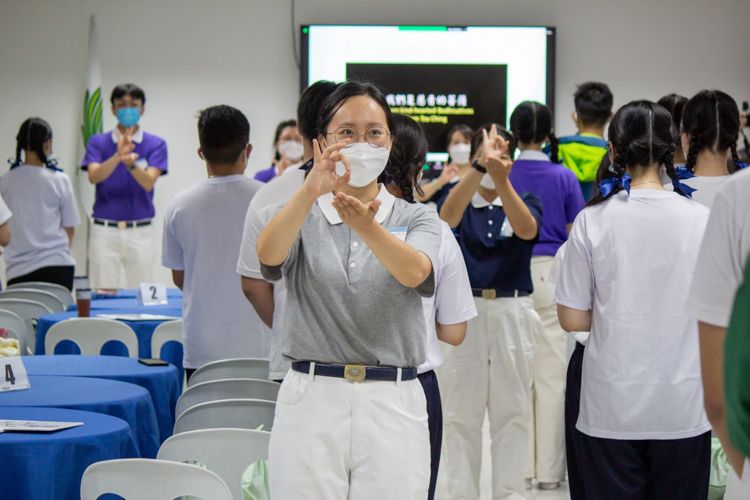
[[497, 159], [353, 212]]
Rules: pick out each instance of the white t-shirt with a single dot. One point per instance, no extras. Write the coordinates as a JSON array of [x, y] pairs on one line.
[[705, 188], [5, 213], [43, 204], [630, 261], [721, 263], [452, 302], [264, 206], [554, 277], [202, 233]]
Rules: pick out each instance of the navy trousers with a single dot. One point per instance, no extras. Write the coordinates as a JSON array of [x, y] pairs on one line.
[[573, 435], [435, 423]]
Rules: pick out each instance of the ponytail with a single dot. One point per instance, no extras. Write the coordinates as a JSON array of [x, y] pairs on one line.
[[554, 143]]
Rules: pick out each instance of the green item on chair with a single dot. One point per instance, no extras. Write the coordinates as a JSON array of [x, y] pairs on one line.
[[255, 484], [717, 480]]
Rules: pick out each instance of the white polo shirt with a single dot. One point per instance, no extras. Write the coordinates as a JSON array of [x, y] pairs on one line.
[[43, 205], [453, 302], [630, 261], [263, 207], [723, 254]]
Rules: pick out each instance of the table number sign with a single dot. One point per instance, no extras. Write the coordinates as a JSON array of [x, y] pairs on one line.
[[13, 375], [151, 294]]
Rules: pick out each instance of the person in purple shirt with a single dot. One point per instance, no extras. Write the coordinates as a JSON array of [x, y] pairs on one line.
[[558, 188], [124, 164], [289, 151]]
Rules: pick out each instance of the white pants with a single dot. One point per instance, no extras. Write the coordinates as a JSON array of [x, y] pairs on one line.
[[546, 459], [491, 371], [337, 439], [111, 249], [734, 485]]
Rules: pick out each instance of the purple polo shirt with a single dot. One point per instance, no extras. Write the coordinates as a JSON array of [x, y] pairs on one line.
[[119, 196], [266, 175], [558, 188]]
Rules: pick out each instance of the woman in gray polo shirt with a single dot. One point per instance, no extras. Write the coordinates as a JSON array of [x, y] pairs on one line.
[[351, 417]]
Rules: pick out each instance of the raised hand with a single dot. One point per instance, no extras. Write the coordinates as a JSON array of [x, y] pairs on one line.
[[125, 147], [448, 173], [323, 178], [282, 164], [495, 155], [353, 212]]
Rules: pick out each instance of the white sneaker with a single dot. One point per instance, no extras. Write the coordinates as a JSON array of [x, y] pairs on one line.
[[549, 486], [528, 483]]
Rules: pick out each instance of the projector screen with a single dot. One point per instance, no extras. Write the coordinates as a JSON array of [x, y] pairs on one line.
[[440, 76]]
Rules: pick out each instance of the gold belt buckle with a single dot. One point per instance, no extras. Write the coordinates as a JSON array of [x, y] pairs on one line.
[[121, 224], [489, 294], [354, 372]]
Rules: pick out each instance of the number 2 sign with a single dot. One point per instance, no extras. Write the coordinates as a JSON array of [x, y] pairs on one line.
[[13, 375], [152, 294]]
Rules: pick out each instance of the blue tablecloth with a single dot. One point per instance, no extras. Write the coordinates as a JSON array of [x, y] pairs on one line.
[[162, 382], [50, 466], [110, 397], [130, 293]]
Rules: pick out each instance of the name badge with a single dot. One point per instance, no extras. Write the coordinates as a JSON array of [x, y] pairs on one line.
[[505, 229], [151, 294], [13, 375], [142, 163], [399, 232]]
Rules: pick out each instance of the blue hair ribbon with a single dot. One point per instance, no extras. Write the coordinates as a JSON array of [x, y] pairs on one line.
[[607, 186], [681, 174], [740, 165], [16, 162]]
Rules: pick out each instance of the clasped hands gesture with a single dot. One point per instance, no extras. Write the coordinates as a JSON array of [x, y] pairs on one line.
[[495, 155], [125, 147], [323, 179]]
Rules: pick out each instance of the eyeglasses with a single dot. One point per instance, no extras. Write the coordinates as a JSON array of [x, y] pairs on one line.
[[374, 136]]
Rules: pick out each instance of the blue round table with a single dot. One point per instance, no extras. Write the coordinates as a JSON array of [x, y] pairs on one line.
[[161, 382], [50, 465], [110, 397]]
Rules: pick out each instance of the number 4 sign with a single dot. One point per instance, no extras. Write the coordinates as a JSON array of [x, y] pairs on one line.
[[151, 294], [13, 376]]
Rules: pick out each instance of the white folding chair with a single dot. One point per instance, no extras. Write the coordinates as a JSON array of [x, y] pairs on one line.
[[145, 479], [49, 299], [166, 332], [16, 328], [62, 293], [227, 452], [231, 368], [228, 413], [235, 388], [29, 311], [90, 335]]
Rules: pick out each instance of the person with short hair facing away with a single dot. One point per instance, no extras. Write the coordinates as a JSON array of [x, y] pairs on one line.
[[124, 164], [351, 411], [40, 197], [709, 130], [268, 299], [628, 265], [557, 187], [583, 152], [201, 243], [492, 370], [287, 143], [447, 312], [459, 151]]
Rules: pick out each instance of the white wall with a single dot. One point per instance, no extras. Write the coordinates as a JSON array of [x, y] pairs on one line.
[[189, 54]]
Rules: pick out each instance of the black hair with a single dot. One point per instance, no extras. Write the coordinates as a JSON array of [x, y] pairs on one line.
[[601, 173], [593, 103], [223, 132], [408, 155], [478, 138], [131, 89], [343, 93], [712, 119], [531, 122], [32, 135], [465, 130], [642, 133], [674, 103], [279, 129], [309, 107]]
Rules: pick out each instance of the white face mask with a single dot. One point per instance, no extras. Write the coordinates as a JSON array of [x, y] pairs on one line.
[[292, 149], [487, 182], [367, 163], [460, 153]]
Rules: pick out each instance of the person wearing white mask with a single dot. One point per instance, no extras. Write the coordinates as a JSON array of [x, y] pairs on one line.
[[287, 142], [459, 149], [492, 371], [351, 416]]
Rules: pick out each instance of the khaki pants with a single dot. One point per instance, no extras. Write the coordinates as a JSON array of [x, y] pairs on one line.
[[546, 458], [490, 372], [112, 249]]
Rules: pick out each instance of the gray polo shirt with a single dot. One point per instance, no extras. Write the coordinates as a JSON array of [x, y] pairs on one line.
[[343, 306]]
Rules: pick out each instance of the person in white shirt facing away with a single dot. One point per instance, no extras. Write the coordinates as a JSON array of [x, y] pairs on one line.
[[627, 268], [201, 243], [45, 214]]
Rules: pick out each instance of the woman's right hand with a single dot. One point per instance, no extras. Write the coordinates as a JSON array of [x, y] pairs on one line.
[[447, 175], [323, 178], [282, 164], [496, 157]]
